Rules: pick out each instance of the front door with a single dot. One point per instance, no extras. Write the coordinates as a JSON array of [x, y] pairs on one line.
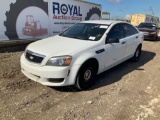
[[115, 51]]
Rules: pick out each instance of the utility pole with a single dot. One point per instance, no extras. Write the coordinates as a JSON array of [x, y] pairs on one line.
[[151, 10]]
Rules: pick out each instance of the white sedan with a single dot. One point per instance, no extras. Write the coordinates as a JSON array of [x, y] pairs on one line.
[[78, 54]]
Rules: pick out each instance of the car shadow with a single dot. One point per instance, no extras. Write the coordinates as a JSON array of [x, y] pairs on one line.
[[114, 74]]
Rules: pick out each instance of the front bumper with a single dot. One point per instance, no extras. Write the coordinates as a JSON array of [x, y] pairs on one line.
[[49, 75], [147, 35]]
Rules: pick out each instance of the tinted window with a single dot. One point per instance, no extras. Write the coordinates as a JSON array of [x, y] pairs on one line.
[[116, 32], [147, 25], [85, 31], [129, 30]]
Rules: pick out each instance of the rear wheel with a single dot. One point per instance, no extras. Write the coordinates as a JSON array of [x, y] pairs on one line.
[[137, 54], [86, 77]]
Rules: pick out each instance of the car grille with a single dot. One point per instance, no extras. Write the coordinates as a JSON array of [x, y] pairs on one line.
[[34, 57]]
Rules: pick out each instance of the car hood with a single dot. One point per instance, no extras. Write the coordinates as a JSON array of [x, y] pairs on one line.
[[146, 30], [59, 45]]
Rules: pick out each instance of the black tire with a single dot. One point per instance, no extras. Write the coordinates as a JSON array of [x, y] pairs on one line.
[[15, 10], [137, 54], [93, 11], [156, 37], [85, 77]]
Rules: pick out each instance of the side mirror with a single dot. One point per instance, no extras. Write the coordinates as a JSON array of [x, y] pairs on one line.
[[112, 40]]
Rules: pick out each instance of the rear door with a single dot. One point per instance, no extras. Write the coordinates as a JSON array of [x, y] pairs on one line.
[[131, 35]]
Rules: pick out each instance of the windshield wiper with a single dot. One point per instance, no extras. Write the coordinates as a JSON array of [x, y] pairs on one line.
[[77, 37], [64, 35]]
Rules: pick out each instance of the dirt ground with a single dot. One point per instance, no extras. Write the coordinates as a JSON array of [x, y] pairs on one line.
[[130, 91]]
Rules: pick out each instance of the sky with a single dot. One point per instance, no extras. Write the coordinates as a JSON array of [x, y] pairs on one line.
[[123, 9]]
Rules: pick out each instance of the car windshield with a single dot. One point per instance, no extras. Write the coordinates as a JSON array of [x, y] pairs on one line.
[[85, 31], [147, 25]]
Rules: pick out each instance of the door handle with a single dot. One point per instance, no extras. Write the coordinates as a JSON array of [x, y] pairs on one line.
[[123, 42], [136, 36], [100, 51]]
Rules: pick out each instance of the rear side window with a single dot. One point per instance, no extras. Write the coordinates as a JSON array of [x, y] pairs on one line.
[[116, 32], [129, 30]]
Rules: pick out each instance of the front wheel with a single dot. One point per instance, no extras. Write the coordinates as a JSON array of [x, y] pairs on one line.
[[156, 37], [137, 54], [85, 78]]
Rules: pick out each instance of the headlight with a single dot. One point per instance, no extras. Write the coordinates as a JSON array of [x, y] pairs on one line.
[[60, 61], [152, 32]]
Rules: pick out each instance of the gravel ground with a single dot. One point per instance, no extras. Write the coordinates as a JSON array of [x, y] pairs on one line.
[[130, 91]]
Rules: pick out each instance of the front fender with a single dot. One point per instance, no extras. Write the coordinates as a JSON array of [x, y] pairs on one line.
[[80, 59]]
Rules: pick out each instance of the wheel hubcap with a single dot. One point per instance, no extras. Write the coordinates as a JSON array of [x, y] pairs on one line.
[[87, 75]]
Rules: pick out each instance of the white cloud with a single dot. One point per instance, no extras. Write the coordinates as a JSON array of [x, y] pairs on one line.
[[115, 1], [127, 17]]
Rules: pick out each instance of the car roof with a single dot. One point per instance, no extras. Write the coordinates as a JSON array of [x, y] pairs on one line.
[[107, 22]]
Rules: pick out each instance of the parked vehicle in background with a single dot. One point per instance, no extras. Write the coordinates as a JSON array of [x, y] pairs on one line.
[[78, 54], [149, 29], [136, 19]]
